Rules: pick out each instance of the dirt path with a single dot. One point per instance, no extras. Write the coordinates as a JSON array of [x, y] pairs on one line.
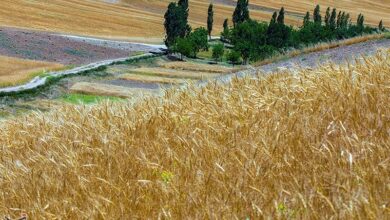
[[338, 55], [39, 81]]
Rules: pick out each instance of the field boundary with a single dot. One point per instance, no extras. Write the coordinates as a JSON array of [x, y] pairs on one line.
[[40, 81]]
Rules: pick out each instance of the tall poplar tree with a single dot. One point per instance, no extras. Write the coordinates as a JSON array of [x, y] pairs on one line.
[[317, 15], [306, 19], [327, 17], [332, 20], [241, 12], [280, 18], [380, 26], [210, 20]]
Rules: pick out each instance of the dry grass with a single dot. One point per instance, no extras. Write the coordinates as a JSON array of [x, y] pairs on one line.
[[309, 145], [321, 47], [196, 67], [15, 71], [174, 73], [151, 79], [108, 90]]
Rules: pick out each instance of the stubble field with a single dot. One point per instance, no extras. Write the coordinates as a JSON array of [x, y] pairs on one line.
[[141, 20]]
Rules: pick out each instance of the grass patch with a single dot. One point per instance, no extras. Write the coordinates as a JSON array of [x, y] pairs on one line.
[[87, 99]]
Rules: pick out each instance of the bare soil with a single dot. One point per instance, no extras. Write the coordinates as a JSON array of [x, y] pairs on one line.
[[45, 46]]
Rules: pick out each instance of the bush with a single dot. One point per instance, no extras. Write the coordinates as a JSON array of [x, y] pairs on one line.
[[183, 46], [233, 57], [218, 51]]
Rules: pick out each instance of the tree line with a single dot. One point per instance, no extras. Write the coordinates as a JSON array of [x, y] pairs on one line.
[[253, 40]]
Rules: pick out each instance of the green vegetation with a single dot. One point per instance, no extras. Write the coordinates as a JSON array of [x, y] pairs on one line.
[[259, 40], [210, 20], [255, 40], [233, 57], [176, 22], [87, 99], [241, 12], [191, 45], [218, 51]]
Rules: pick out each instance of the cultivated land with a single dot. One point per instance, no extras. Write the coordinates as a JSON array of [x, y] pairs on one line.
[[14, 71], [311, 144], [142, 20], [46, 48], [108, 90]]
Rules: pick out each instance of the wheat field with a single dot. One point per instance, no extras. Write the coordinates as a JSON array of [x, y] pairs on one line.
[[313, 144], [14, 71]]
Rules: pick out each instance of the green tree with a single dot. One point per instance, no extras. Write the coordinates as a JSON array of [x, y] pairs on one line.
[[226, 24], [183, 4], [277, 33], [175, 24], [233, 57], [210, 20], [241, 12], [317, 15], [339, 19], [225, 33], [306, 19], [218, 51], [346, 21], [380, 26], [360, 23], [183, 46], [199, 41], [280, 18], [249, 39], [327, 17], [332, 20], [273, 19]]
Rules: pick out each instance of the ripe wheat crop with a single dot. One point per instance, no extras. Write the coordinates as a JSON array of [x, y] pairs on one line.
[[313, 144]]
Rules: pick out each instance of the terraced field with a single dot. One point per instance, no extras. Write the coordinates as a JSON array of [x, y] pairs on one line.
[[22, 69], [126, 81], [141, 20]]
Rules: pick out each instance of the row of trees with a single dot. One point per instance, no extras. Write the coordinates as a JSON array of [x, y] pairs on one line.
[[254, 40], [258, 40], [179, 35]]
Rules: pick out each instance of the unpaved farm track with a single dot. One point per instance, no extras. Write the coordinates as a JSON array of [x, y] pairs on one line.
[[339, 55], [40, 81]]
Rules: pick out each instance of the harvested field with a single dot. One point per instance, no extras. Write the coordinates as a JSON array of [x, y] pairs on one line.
[[174, 73], [139, 18], [151, 79], [15, 71], [108, 90], [196, 67], [142, 19], [307, 145]]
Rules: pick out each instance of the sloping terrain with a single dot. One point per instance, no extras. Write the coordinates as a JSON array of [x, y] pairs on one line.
[[43, 47], [142, 19], [307, 145], [13, 70]]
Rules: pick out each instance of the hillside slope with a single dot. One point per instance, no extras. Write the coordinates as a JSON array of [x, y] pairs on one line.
[[140, 19], [308, 145]]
